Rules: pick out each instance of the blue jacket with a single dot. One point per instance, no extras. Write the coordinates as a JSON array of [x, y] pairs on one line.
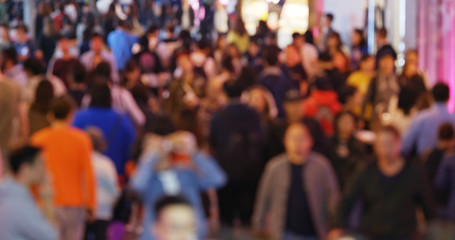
[[117, 129], [146, 182], [121, 43]]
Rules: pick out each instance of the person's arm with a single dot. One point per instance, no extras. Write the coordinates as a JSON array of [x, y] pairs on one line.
[[87, 174], [144, 172], [23, 120], [442, 178], [424, 195], [114, 74], [132, 108], [332, 189], [410, 137], [210, 175], [34, 225], [262, 201]]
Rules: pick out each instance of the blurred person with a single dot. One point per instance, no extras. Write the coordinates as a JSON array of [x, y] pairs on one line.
[[136, 28], [175, 219], [77, 84], [382, 88], [97, 54], [322, 104], [412, 58], [402, 110], [40, 107], [67, 151], [202, 60], [292, 191], [412, 80], [293, 68], [348, 154], [433, 163], [122, 100], [252, 56], [239, 36], [327, 30], [121, 42], [219, 49], [359, 47], [63, 66], [383, 47], [273, 78], [20, 217], [309, 54], [118, 128], [352, 101], [11, 67], [175, 166], [391, 189], [237, 141], [47, 41], [185, 15], [215, 84], [261, 100], [335, 44], [43, 13], [3, 11], [24, 45], [153, 55], [221, 19], [341, 63], [107, 190], [233, 51], [5, 41], [421, 135], [362, 77], [327, 69], [133, 83], [186, 90], [36, 73]]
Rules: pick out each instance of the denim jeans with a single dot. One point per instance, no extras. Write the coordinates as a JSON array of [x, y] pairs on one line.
[[292, 236]]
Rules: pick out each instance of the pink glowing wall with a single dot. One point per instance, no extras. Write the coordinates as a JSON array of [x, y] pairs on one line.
[[436, 42]]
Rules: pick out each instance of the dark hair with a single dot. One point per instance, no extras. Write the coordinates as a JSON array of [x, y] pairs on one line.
[[78, 73], [61, 107], [103, 69], [100, 95], [325, 57], [362, 42], [390, 129], [406, 100], [239, 27], [308, 35], [131, 65], [34, 65], [227, 64], [233, 88], [161, 125], [296, 35], [10, 54], [323, 83], [347, 92], [446, 131], [96, 35], [188, 121], [382, 32], [330, 16], [270, 55], [23, 155], [440, 92], [247, 77], [44, 95], [168, 201], [22, 27]]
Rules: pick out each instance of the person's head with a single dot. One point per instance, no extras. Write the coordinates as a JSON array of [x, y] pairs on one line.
[[77, 74], [407, 100], [227, 64], [161, 125], [325, 61], [328, 20], [323, 83], [189, 121], [239, 27], [184, 62], [340, 61], [386, 65], [221, 42], [62, 110], [270, 56], [367, 63], [298, 142], [44, 95], [103, 69], [345, 124], [253, 48], [64, 44], [410, 69], [387, 145], [9, 58], [441, 93], [412, 57], [357, 38], [132, 72], [233, 89], [100, 94], [248, 76], [175, 219], [297, 40], [293, 106], [33, 67], [97, 137], [4, 33], [233, 51], [260, 99], [292, 56], [27, 165], [96, 43], [381, 36], [334, 41], [351, 97], [446, 136], [21, 32]]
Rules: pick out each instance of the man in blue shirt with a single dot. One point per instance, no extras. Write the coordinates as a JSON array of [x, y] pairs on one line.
[[20, 217], [121, 42], [421, 135]]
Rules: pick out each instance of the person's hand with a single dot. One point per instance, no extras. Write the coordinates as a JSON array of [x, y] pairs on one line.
[[183, 143], [335, 234], [152, 143], [45, 189], [90, 215], [214, 219]]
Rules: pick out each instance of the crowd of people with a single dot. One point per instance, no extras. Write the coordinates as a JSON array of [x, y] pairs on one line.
[[142, 122]]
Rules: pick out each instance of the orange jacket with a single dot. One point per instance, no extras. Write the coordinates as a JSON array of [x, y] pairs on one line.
[[323, 105], [67, 152]]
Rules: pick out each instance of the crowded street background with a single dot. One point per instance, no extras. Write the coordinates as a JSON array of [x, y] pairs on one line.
[[174, 120]]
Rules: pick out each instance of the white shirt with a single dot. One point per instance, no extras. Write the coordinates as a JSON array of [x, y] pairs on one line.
[[309, 58], [107, 189]]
